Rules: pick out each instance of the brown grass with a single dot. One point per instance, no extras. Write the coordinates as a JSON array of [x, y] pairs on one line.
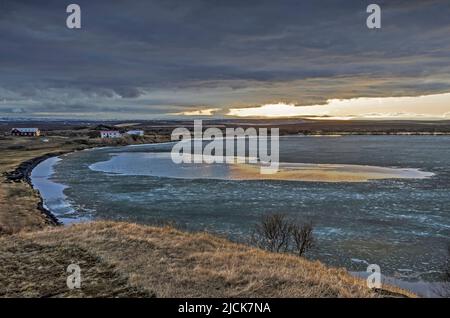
[[33, 270], [18, 201], [168, 263], [18, 209]]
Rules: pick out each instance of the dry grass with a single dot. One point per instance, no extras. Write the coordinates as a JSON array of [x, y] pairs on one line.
[[18, 210], [33, 270], [18, 202], [170, 263]]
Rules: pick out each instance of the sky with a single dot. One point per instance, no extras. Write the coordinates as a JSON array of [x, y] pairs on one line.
[[142, 59]]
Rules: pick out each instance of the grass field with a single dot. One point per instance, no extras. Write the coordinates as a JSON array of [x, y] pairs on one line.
[[123, 259]]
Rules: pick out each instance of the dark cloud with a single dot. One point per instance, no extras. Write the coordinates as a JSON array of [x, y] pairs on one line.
[[156, 57]]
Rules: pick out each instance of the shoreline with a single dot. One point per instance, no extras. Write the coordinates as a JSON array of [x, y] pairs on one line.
[[23, 174]]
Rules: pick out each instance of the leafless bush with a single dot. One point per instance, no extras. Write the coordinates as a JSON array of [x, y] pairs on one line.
[[277, 233], [302, 235], [272, 233]]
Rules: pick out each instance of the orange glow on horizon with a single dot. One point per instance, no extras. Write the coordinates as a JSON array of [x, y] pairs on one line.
[[412, 107]]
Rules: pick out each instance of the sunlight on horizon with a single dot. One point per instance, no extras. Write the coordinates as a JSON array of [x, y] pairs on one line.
[[412, 107], [198, 112]]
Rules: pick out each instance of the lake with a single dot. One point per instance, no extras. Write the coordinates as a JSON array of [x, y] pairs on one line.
[[400, 221]]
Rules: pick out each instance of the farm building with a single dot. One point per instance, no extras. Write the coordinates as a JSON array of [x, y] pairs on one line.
[[110, 134], [135, 132], [25, 132]]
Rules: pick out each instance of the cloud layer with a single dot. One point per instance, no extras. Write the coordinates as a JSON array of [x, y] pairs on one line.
[[148, 59]]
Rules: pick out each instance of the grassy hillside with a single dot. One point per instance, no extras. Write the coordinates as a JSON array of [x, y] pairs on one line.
[[123, 259], [18, 201]]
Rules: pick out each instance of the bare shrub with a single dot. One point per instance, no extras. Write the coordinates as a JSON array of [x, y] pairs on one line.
[[302, 235], [273, 233], [277, 233]]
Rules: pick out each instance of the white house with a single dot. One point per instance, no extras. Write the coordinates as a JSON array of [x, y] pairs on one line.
[[135, 132], [110, 134]]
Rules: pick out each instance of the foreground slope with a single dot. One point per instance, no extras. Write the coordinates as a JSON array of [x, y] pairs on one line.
[[123, 259]]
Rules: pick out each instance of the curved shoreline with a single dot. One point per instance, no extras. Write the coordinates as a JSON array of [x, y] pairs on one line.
[[23, 173]]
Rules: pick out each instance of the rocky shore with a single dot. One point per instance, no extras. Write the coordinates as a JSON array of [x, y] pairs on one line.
[[23, 174]]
